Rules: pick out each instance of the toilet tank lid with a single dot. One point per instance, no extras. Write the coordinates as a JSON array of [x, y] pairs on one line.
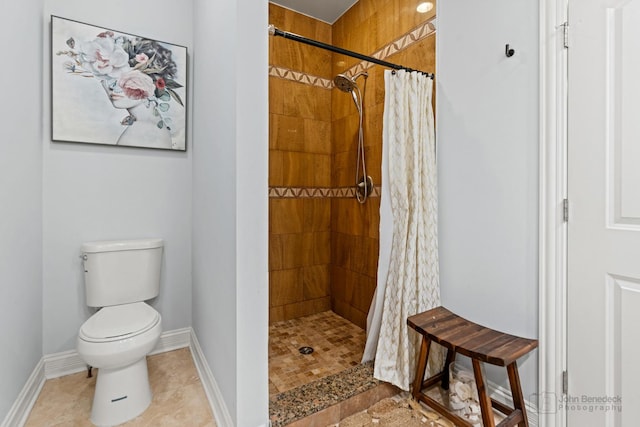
[[121, 245]]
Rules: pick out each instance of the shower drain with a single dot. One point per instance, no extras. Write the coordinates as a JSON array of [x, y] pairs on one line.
[[305, 350]]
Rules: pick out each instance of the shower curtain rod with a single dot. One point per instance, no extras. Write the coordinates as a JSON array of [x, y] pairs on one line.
[[287, 35]]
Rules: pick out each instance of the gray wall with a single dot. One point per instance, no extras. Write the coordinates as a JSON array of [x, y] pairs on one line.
[[487, 136], [20, 197], [230, 222], [103, 193]]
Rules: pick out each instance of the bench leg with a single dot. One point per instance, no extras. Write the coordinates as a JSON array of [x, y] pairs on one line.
[[485, 400], [451, 356], [422, 367], [516, 392]]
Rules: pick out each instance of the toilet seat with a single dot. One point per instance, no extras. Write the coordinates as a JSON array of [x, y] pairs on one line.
[[119, 322]]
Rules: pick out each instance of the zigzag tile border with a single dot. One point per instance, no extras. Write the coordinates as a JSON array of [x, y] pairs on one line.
[[422, 31], [317, 192], [297, 76]]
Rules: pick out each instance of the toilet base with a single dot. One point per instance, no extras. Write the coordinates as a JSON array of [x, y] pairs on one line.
[[121, 394]]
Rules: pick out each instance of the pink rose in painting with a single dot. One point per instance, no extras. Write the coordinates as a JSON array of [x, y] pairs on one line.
[[136, 85], [160, 83], [104, 58], [141, 58]]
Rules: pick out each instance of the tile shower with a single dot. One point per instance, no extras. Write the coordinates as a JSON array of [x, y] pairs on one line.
[[323, 244]]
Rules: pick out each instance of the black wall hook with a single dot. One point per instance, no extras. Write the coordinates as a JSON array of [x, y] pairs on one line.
[[509, 52]]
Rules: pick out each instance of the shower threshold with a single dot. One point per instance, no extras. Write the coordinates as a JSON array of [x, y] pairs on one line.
[[329, 400]]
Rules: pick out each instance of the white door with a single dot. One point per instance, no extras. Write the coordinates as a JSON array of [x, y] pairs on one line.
[[604, 214]]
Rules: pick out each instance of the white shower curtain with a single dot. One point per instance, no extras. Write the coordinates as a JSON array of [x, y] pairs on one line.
[[408, 260]]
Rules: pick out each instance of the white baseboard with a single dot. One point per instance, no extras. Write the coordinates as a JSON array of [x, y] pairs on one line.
[[20, 410], [63, 363], [218, 407], [173, 340], [503, 395], [69, 362]]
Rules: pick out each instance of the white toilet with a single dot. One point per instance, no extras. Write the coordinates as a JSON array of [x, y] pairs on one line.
[[119, 276]]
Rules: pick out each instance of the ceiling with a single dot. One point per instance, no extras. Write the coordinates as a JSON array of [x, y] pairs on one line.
[[325, 10]]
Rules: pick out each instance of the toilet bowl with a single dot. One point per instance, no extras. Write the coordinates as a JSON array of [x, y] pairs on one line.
[[119, 276], [116, 340]]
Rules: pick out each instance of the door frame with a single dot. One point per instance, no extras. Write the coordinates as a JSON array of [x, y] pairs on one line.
[[553, 164]]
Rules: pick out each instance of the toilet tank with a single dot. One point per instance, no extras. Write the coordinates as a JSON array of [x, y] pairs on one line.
[[121, 271]]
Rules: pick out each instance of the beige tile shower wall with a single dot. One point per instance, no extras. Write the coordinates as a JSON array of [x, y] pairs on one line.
[[324, 249], [300, 157], [367, 27]]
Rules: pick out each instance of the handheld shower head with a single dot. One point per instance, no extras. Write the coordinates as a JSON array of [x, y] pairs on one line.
[[346, 83]]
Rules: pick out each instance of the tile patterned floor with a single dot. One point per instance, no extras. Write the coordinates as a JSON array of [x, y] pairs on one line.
[[338, 345], [299, 384], [178, 397], [402, 411]]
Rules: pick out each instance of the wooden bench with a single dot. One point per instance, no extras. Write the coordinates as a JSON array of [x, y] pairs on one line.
[[481, 344]]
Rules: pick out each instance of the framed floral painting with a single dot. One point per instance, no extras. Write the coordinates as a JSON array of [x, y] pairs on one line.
[[114, 88]]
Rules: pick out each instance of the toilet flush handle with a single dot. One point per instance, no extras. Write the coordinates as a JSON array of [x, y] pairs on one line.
[[84, 258]]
